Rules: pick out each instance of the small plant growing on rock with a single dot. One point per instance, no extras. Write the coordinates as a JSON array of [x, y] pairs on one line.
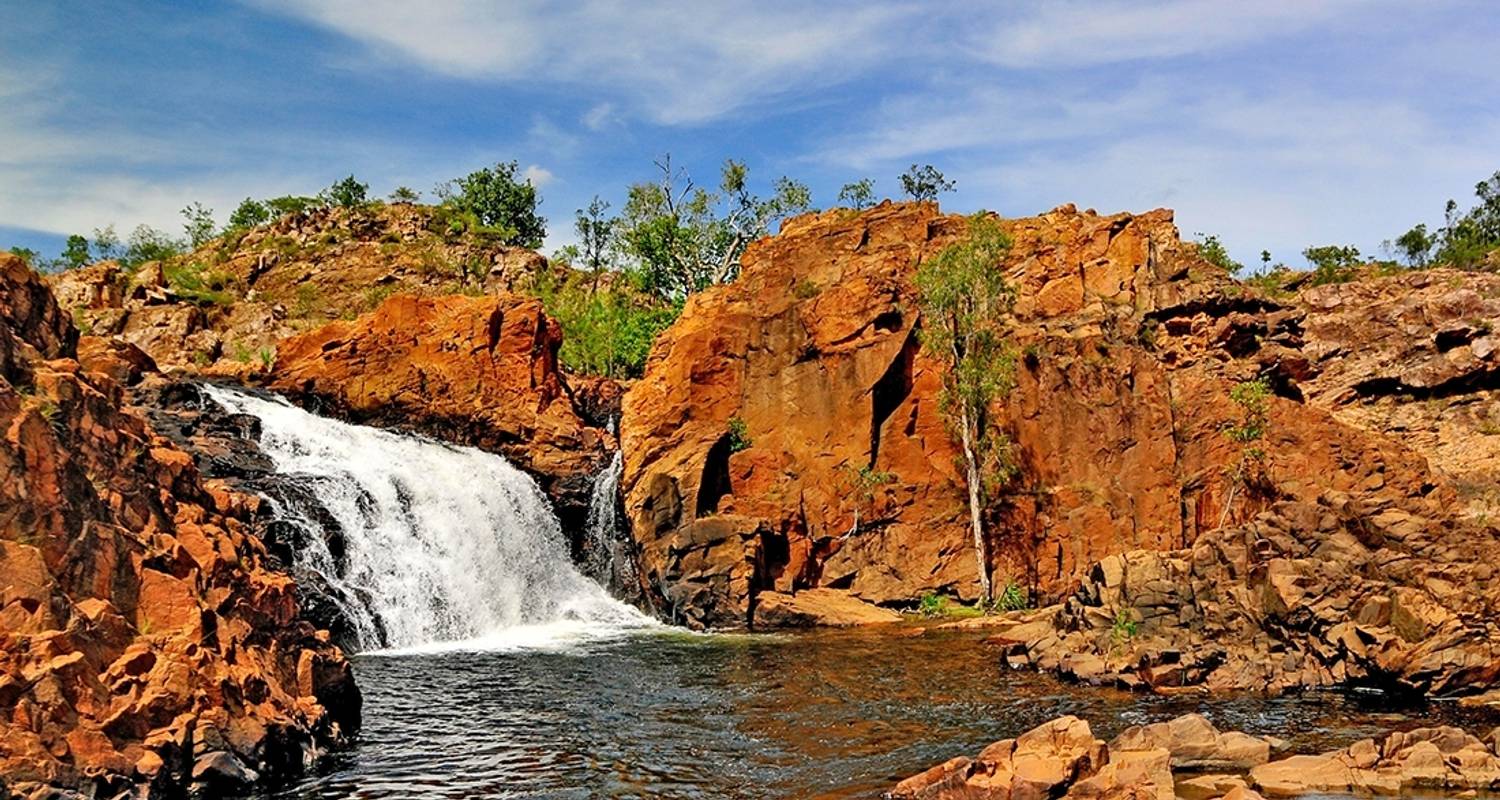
[[862, 483], [1124, 628], [1253, 398], [805, 289], [739, 436], [925, 183], [932, 605], [267, 358], [1212, 250], [1012, 598], [1332, 263]]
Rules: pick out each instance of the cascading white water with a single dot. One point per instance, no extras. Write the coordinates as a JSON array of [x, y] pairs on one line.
[[608, 559], [444, 546]]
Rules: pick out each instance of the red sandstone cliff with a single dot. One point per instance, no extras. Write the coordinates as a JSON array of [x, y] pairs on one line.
[[142, 642]]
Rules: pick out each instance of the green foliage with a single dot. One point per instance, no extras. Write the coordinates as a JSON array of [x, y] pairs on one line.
[[31, 257], [75, 252], [932, 605], [1332, 263], [346, 193], [249, 214], [596, 233], [1124, 628], [195, 283], [1012, 598], [1212, 250], [805, 289], [404, 194], [291, 204], [198, 224], [607, 330], [924, 183], [267, 357], [1416, 244], [377, 294], [683, 238], [499, 202], [858, 195], [965, 303], [308, 300], [106, 244], [1253, 398], [148, 244], [739, 435]]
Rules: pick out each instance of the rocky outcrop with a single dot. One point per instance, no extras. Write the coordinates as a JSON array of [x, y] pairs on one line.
[[144, 644], [1188, 758], [786, 434], [480, 371], [223, 309]]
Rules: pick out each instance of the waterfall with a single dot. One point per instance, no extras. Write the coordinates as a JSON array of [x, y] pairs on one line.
[[436, 545], [608, 558]]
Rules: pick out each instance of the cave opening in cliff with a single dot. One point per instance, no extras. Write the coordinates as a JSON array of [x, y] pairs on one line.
[[890, 392], [715, 482]]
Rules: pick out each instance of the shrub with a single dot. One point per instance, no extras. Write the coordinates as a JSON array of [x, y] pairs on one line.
[[195, 283], [1124, 628], [403, 194], [1212, 250], [925, 182], [739, 436], [346, 193], [249, 214], [858, 195], [932, 605], [498, 201], [606, 332], [1332, 263], [1012, 598]]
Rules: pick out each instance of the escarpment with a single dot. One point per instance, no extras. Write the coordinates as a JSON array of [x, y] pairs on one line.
[[146, 645], [786, 434]]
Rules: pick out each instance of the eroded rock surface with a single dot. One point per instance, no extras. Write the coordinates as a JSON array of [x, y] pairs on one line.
[[1189, 758], [143, 642]]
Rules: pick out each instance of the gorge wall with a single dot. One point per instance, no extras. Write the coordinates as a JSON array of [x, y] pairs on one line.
[[1129, 345], [145, 643]]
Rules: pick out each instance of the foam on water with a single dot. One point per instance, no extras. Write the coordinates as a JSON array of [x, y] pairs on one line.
[[444, 547]]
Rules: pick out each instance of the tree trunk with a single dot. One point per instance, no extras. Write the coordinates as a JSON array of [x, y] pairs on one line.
[[971, 466]]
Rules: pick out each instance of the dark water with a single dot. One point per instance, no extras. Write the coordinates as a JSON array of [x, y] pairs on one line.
[[816, 715]]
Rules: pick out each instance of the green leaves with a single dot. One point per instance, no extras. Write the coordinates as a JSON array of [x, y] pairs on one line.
[[965, 304], [499, 202]]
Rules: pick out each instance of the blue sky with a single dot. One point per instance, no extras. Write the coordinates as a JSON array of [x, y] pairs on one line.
[[1275, 124]]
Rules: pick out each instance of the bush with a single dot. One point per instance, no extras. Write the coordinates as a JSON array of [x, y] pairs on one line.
[[858, 195], [924, 182], [347, 193], [194, 283], [606, 332], [1212, 250], [249, 214], [739, 435], [1332, 263], [1012, 598], [498, 201]]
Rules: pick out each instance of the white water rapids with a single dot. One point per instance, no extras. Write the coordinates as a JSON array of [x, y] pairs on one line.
[[445, 547]]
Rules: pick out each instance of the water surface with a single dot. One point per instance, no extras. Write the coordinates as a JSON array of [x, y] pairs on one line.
[[833, 714]]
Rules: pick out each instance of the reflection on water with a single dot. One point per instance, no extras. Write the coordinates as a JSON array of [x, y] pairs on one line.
[[825, 715]]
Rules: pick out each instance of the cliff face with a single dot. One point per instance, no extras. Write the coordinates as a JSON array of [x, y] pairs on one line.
[[1130, 345], [143, 642]]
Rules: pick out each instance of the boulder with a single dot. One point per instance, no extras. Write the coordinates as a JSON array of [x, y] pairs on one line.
[[829, 608]]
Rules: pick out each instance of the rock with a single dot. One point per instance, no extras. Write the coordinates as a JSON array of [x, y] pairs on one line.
[[817, 607], [136, 604], [1194, 743], [481, 371], [1042, 762]]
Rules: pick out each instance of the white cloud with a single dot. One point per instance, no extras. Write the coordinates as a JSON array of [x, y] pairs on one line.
[[539, 176], [680, 61], [1068, 33], [600, 117]]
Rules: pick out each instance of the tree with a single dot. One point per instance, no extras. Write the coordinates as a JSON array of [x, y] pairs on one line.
[[148, 244], [595, 236], [106, 244], [499, 202], [685, 238], [249, 214], [1332, 263], [404, 194], [28, 255], [290, 204], [1416, 244], [965, 304], [346, 193], [198, 225], [75, 252], [858, 195], [924, 183], [1212, 250], [1265, 260]]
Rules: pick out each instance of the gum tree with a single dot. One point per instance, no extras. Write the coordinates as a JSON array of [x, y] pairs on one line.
[[966, 304]]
